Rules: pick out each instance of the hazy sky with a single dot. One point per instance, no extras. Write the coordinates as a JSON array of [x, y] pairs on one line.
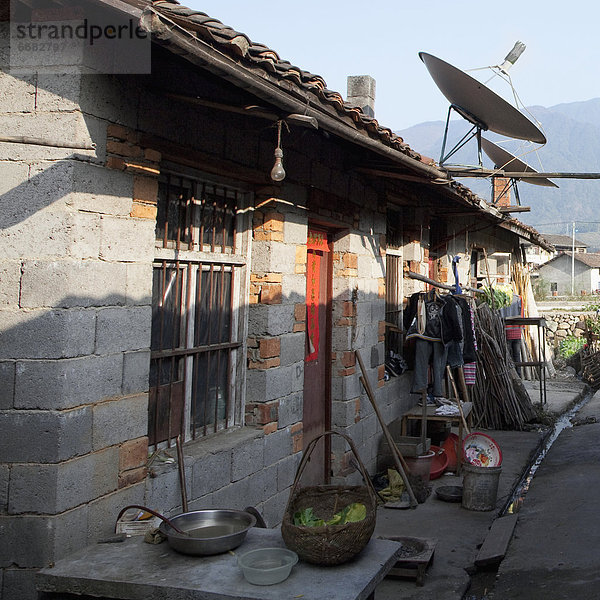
[[561, 62]]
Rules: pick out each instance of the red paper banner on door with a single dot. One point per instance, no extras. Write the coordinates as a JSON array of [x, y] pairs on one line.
[[313, 269]]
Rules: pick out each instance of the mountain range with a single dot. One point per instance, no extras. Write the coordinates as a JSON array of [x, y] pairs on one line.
[[573, 146]]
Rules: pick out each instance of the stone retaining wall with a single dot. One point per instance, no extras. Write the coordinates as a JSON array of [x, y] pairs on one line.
[[564, 324]]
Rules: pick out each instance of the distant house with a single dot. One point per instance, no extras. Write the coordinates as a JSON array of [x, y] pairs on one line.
[[568, 272], [536, 255]]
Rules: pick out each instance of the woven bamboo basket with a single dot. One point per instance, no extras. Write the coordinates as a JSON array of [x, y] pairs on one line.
[[329, 544]]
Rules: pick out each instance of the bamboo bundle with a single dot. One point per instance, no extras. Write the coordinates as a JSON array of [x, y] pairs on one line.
[[500, 401], [590, 361]]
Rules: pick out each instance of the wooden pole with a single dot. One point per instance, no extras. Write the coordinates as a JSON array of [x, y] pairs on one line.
[[396, 454]]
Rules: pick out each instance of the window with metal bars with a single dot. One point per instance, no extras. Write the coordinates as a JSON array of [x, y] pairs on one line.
[[197, 292]]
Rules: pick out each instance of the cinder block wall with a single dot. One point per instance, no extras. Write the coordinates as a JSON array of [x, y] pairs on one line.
[[75, 314], [75, 319]]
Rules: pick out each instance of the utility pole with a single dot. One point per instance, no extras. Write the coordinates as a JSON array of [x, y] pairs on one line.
[[573, 263]]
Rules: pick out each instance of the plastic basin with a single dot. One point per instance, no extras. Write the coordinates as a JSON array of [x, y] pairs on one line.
[[267, 566]]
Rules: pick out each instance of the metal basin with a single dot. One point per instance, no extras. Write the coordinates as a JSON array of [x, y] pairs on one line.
[[208, 531]]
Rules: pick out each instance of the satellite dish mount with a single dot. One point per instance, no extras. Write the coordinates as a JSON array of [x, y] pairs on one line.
[[475, 132]]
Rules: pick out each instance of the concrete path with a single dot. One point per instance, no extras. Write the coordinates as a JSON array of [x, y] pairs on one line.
[[555, 551], [460, 532]]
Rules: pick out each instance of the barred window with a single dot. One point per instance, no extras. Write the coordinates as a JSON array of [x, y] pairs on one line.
[[198, 312]]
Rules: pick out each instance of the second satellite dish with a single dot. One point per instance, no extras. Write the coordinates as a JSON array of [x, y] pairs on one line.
[[506, 161], [478, 104]]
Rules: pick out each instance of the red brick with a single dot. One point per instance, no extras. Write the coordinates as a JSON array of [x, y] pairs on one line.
[[348, 358], [264, 412], [152, 155], [346, 372], [270, 428], [300, 312], [271, 294], [133, 453], [145, 189], [112, 162], [270, 347], [122, 133], [298, 442], [350, 261], [349, 309], [131, 477], [140, 210]]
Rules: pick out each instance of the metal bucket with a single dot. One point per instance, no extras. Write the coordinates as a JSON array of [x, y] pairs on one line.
[[480, 487]]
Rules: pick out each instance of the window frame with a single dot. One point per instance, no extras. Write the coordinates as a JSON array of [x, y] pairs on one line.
[[194, 262]]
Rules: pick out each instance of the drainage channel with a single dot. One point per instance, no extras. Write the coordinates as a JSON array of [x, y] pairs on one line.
[[483, 581], [563, 422]]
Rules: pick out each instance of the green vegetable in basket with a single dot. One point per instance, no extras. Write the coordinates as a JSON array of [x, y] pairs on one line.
[[307, 518], [351, 514]]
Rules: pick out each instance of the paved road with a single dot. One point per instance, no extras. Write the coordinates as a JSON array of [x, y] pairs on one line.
[[555, 551]]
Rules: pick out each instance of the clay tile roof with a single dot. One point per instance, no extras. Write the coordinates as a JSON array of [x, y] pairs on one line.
[[255, 54]]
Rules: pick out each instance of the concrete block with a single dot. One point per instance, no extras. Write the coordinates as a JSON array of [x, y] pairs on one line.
[[163, 492], [278, 445], [136, 371], [68, 126], [294, 288], [274, 257], [4, 478], [127, 240], [85, 235], [275, 319], [60, 384], [248, 459], [58, 435], [27, 541], [110, 98], [18, 584], [297, 376], [268, 385], [117, 421], [103, 512], [377, 355], [47, 333], [72, 283], [7, 384], [292, 348], [286, 471], [270, 480], [10, 280], [123, 328], [52, 235], [57, 488], [343, 412], [295, 232], [274, 507], [17, 94], [58, 92], [138, 283], [100, 190], [290, 409], [211, 472]]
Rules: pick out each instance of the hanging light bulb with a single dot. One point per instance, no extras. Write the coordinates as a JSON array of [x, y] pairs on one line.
[[278, 172]]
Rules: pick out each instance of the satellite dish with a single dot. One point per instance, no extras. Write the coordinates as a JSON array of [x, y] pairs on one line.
[[479, 105], [504, 160]]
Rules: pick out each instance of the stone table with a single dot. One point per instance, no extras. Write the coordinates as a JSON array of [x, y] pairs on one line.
[[134, 570]]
